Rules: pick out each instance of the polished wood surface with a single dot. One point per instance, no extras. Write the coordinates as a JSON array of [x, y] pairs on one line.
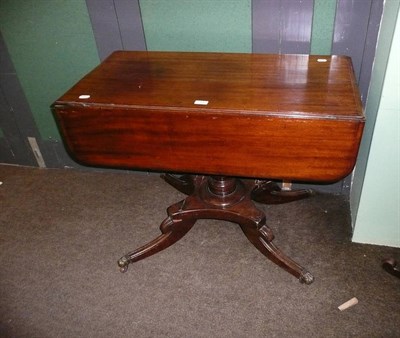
[[293, 117]]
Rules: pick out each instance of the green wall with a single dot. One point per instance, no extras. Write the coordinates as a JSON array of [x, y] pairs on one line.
[[51, 44], [375, 195], [193, 25], [219, 26], [323, 25]]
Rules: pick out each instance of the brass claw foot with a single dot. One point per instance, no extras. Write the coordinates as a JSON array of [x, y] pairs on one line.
[[390, 265], [123, 263], [306, 278]]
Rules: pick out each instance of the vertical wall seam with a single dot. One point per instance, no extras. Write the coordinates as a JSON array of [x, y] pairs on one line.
[[312, 27], [281, 26], [334, 24], [119, 26], [251, 24], [91, 19], [144, 32], [365, 41], [364, 56]]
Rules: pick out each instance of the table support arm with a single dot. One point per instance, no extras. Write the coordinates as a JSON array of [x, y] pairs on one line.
[[222, 198]]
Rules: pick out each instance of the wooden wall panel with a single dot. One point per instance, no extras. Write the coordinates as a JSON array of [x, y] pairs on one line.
[[296, 23], [351, 27], [266, 26], [105, 26], [117, 25], [282, 26], [130, 24], [370, 47]]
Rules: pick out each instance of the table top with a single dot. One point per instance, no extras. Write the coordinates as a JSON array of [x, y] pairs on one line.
[[294, 117], [266, 84]]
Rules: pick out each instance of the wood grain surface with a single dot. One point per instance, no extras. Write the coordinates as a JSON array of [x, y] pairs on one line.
[[294, 117]]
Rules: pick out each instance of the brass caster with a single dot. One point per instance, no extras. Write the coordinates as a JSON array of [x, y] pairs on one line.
[[306, 278], [123, 264]]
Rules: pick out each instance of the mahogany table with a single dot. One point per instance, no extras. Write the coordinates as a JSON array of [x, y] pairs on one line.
[[216, 118]]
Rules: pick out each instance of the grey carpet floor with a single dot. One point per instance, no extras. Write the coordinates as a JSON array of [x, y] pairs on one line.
[[62, 232]]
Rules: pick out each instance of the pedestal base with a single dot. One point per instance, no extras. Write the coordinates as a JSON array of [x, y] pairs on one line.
[[223, 198]]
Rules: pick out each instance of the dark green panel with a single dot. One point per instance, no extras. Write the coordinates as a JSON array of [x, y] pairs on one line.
[[193, 25], [51, 45], [322, 29]]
